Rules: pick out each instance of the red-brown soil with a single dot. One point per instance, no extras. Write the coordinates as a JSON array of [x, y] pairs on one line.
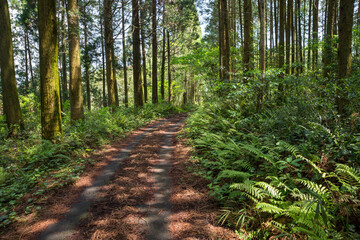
[[117, 213]]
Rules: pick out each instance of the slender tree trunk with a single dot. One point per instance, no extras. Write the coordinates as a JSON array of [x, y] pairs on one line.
[[282, 33], [328, 51], [185, 88], [247, 36], [138, 89], [262, 4], [315, 33], [101, 22], [241, 23], [87, 61], [221, 40], [11, 103], [344, 51], [63, 53], [30, 63], [293, 47], [49, 71], [276, 6], [162, 76], [26, 60], [154, 54], [271, 33], [288, 37], [143, 51], [109, 42], [300, 52], [169, 66], [76, 99], [310, 44], [115, 80], [124, 53]]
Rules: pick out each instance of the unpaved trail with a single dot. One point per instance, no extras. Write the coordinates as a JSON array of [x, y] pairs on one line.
[[142, 191]]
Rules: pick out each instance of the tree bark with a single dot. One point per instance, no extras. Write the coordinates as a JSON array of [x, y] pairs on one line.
[[126, 100], [63, 54], [87, 61], [138, 89], [11, 103], [299, 38], [315, 33], [281, 33], [109, 42], [154, 54], [288, 37], [76, 98], [162, 76], [143, 52], [169, 66], [344, 51], [248, 51], [328, 51], [309, 35], [261, 4], [49, 71]]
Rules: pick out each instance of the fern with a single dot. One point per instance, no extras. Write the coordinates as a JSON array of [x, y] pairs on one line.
[[249, 188], [269, 208], [273, 192], [348, 176], [241, 176]]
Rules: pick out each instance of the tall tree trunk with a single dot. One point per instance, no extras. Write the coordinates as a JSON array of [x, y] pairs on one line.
[[49, 71], [143, 52], [30, 63], [169, 66], [109, 43], [315, 33], [288, 37], [282, 33], [293, 47], [26, 59], [87, 61], [310, 44], [185, 94], [328, 51], [241, 23], [154, 54], [344, 51], [271, 33], [76, 99], [138, 89], [115, 80], [248, 51], [162, 76], [11, 103], [101, 22], [124, 53], [262, 4], [276, 23], [63, 53], [299, 38]]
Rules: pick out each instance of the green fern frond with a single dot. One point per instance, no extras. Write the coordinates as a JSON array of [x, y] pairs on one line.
[[269, 208], [240, 176], [314, 187], [348, 175], [249, 188], [273, 192]]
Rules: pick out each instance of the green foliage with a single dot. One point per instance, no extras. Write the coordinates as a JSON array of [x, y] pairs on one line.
[[286, 169], [32, 167]]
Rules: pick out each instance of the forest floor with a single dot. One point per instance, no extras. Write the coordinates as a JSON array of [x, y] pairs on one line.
[[140, 188]]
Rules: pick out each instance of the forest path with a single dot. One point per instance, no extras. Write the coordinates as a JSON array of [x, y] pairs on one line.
[[157, 209], [139, 188]]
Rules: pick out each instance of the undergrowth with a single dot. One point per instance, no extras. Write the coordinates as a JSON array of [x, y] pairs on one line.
[[287, 170], [31, 167]]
